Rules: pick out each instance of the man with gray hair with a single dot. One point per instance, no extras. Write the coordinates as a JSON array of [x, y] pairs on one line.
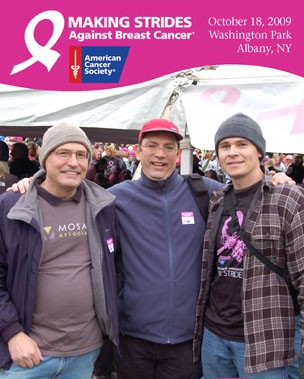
[[57, 271]]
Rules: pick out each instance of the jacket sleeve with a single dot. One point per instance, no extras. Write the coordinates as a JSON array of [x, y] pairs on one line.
[[294, 242], [9, 319]]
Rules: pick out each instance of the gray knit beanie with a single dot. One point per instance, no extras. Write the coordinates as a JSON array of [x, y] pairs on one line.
[[60, 134], [242, 126]]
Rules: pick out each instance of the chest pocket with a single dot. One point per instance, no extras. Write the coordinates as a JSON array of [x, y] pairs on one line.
[[269, 242]]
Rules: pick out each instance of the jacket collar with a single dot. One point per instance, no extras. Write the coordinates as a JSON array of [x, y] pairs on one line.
[[160, 184], [26, 207]]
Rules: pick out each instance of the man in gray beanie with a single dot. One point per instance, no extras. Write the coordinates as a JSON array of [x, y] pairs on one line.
[[58, 135], [241, 125], [245, 309], [57, 272]]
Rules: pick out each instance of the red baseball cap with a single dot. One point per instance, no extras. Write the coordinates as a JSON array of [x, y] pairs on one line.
[[159, 125]]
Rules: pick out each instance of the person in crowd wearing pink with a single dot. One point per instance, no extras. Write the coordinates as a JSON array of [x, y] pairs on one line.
[[289, 159], [115, 165], [33, 151], [132, 162]]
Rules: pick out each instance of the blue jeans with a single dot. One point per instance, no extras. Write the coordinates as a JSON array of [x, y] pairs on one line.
[[76, 367], [223, 358], [293, 370]]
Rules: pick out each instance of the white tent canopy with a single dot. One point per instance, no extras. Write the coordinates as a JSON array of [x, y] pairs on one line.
[[197, 100], [113, 115]]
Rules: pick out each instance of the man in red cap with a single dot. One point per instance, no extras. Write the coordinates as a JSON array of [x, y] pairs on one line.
[[161, 234]]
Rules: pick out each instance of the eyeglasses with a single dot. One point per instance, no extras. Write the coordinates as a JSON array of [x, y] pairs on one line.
[[153, 148], [65, 155]]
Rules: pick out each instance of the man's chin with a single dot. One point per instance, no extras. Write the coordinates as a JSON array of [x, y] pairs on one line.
[[158, 176], [71, 183]]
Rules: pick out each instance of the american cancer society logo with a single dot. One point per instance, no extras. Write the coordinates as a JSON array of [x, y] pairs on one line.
[[96, 64]]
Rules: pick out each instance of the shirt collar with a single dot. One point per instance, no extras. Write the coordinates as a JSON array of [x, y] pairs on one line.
[[55, 200]]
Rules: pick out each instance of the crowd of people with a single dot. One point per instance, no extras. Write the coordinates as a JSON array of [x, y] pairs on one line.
[[111, 163], [206, 163], [132, 267]]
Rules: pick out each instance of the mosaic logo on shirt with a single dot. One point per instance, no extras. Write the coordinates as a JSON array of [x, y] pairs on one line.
[[65, 231], [48, 233], [96, 64]]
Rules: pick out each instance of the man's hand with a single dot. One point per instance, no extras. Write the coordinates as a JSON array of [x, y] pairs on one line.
[[21, 186], [280, 178], [24, 351]]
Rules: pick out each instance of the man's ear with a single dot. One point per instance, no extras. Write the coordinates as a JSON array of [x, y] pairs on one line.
[[137, 151], [179, 153]]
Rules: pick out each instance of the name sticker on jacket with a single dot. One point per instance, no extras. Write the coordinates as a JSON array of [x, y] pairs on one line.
[[110, 245], [187, 218]]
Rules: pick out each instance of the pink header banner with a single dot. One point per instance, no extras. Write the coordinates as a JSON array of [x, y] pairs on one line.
[[67, 46]]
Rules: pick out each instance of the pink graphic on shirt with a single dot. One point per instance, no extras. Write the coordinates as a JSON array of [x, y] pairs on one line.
[[232, 242]]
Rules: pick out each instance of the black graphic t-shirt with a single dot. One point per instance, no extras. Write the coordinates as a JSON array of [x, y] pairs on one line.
[[224, 314]]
